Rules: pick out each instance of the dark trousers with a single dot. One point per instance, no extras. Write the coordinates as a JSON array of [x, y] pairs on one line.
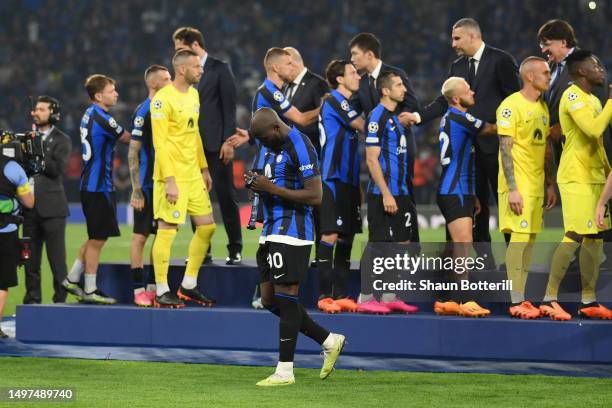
[[223, 187], [51, 231], [487, 168]]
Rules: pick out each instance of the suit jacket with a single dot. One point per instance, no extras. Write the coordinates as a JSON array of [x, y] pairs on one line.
[[497, 77], [217, 104], [49, 195], [307, 97]]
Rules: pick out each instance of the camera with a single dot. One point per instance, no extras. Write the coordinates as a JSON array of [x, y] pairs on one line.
[[25, 148]]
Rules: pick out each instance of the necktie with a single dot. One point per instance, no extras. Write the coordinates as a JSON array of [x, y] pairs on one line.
[[556, 73], [290, 91], [373, 90], [471, 71]]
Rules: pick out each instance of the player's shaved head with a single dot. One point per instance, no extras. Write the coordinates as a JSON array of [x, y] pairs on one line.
[[152, 70], [273, 56], [453, 86], [268, 127], [295, 55], [529, 64], [182, 56]]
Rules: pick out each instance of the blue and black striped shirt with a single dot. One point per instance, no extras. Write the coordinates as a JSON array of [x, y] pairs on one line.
[[141, 132], [99, 133], [386, 132], [289, 167]]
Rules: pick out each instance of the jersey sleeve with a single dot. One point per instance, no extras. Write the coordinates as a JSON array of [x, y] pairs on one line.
[[277, 100], [343, 110], [17, 176], [109, 124], [161, 112], [138, 125], [507, 118], [586, 118], [375, 132], [469, 122], [307, 161]]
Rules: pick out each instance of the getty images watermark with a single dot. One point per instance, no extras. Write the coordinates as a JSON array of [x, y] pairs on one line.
[[428, 271]]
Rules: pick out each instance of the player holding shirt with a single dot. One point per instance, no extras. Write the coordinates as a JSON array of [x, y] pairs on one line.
[[141, 157], [99, 133], [290, 186], [523, 125], [581, 177], [456, 195], [340, 210], [181, 179]]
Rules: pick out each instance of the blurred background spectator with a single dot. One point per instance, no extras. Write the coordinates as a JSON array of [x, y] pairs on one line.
[[45, 50]]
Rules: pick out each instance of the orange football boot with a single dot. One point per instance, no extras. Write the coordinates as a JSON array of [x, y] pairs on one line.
[[554, 311], [327, 305], [473, 309], [525, 310]]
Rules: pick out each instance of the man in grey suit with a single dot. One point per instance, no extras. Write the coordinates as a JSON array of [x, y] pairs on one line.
[[46, 222]]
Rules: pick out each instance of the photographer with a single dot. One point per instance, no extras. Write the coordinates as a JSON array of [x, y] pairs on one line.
[[46, 222], [14, 189]]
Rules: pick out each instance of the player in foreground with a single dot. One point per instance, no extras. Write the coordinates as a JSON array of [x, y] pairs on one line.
[[581, 177], [181, 180], [523, 125], [289, 187]]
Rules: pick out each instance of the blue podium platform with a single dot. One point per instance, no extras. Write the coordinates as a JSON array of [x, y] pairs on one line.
[[423, 336]]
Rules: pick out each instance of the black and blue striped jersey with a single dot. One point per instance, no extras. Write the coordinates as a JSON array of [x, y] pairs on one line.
[[268, 96], [141, 132], [386, 132], [295, 162], [340, 156], [457, 132], [99, 133]]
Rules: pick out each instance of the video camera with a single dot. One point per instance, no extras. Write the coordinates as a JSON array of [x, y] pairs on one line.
[[25, 148]]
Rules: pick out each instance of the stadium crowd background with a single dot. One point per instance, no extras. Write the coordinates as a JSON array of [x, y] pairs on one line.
[[48, 51]]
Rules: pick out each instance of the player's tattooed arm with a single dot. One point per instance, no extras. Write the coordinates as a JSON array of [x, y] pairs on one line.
[[505, 147], [137, 199]]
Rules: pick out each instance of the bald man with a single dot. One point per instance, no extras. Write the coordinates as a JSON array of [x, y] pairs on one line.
[[305, 92], [289, 188], [523, 126]]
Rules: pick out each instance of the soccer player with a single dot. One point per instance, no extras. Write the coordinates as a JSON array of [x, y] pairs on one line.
[[391, 212], [340, 210], [140, 158], [523, 126], [99, 133], [181, 180], [289, 187], [581, 177], [456, 196]]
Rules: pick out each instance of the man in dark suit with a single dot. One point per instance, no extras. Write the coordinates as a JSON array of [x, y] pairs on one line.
[[493, 75], [366, 52], [217, 122], [46, 222], [305, 92]]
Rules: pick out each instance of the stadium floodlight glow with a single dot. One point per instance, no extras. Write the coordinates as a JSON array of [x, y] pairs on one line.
[[592, 5]]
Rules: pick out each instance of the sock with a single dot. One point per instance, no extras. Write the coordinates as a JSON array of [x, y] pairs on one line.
[[325, 252], [329, 342], [197, 251], [90, 283], [289, 326], [161, 255], [138, 279], [308, 327], [590, 256], [342, 264], [365, 298], [189, 282], [388, 297], [515, 265], [560, 262], [284, 368], [162, 288], [151, 287], [76, 271]]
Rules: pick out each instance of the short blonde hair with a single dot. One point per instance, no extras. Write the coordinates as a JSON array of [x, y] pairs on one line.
[[450, 86]]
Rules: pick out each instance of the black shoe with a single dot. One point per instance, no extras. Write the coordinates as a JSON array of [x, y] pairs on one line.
[[194, 295], [168, 300], [3, 335], [313, 264], [234, 259]]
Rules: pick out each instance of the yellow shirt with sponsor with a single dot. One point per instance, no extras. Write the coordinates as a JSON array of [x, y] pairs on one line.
[[528, 124], [176, 137], [583, 123]]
